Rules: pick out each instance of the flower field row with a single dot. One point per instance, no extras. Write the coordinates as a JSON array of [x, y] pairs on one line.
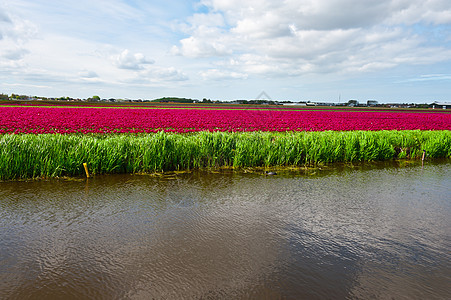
[[39, 120]]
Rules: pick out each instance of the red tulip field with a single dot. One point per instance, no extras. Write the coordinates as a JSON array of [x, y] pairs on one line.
[[47, 119]]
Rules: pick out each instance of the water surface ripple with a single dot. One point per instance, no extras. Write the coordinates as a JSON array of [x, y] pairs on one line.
[[376, 232]]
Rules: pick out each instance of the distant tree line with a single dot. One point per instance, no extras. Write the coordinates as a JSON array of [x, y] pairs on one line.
[[260, 102], [175, 99], [94, 99], [19, 97]]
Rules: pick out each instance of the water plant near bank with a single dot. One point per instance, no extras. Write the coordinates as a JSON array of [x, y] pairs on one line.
[[53, 155]]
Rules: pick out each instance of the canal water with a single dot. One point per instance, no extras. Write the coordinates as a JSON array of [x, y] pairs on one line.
[[371, 231]]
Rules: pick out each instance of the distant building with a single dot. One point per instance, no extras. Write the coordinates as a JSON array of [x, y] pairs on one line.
[[295, 104], [353, 103], [325, 104], [441, 105], [399, 105], [310, 103]]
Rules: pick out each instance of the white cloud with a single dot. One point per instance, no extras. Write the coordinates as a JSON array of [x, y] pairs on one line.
[[127, 60], [203, 42], [216, 74], [166, 74], [196, 46], [208, 20], [4, 17], [432, 77], [26, 85], [157, 76], [426, 11], [17, 30], [88, 74], [296, 37], [14, 54], [15, 33]]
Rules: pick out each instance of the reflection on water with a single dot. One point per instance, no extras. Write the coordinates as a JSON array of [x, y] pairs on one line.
[[359, 233]]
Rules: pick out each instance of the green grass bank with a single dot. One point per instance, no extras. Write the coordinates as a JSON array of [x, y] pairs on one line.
[[53, 155]]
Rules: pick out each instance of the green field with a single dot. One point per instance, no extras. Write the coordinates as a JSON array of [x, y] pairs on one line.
[[54, 155]]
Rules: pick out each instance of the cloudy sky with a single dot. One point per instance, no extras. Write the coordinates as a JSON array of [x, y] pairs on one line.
[[319, 50]]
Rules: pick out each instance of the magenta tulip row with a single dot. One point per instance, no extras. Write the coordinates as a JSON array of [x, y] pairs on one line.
[[38, 120]]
